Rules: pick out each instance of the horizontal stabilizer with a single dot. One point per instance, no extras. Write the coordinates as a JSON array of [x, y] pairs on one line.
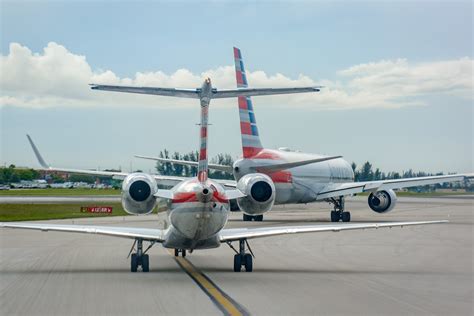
[[168, 92], [196, 93], [246, 92], [288, 165], [187, 163]]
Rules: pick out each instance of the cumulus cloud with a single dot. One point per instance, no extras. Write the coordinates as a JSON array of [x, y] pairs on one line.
[[57, 77]]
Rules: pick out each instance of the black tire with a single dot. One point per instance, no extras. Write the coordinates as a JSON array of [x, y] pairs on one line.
[[237, 263], [183, 252], [335, 216], [258, 218], [346, 216], [176, 252], [145, 263], [134, 263], [248, 263], [247, 218]]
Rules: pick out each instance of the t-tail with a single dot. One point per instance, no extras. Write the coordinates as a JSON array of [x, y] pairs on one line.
[[203, 169], [251, 144]]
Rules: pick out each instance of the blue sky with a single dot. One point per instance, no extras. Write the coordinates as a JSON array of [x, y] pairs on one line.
[[425, 127]]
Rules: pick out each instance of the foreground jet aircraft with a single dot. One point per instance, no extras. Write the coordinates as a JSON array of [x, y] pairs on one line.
[[197, 211], [269, 177]]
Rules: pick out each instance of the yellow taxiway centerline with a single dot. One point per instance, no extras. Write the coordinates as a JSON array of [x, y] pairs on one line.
[[219, 297]]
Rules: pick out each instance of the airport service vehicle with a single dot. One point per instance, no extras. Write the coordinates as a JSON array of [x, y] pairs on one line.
[[197, 212], [282, 176]]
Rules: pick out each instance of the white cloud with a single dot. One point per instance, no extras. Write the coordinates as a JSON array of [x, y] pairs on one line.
[[58, 77]]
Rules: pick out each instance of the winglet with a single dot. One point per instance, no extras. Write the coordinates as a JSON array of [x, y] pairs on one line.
[[37, 153]]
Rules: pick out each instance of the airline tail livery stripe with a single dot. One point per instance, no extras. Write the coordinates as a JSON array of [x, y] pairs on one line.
[[251, 144]]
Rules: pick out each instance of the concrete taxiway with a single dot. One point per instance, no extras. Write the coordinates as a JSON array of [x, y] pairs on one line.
[[411, 270]]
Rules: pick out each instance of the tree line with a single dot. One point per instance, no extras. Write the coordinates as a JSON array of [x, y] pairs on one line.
[[170, 169], [366, 172], [12, 174]]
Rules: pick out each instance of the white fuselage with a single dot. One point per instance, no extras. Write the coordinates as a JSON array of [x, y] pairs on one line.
[[300, 184]]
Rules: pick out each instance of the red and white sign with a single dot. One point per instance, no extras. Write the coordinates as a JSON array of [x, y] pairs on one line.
[[96, 209]]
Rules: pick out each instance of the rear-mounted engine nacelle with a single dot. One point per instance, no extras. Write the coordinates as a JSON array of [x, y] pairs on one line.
[[382, 201], [260, 192], [138, 191]]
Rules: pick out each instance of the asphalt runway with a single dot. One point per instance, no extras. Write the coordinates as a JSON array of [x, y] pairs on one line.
[[413, 270]]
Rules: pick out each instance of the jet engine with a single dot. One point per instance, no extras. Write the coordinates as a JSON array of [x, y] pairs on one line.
[[382, 201], [260, 192], [137, 193]]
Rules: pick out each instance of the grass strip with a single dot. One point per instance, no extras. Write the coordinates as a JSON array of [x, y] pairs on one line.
[[30, 212], [58, 192]]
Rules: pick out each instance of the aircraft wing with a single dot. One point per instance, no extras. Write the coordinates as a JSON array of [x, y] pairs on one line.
[[340, 189], [246, 92], [234, 234], [169, 92], [161, 179], [125, 232], [289, 165], [164, 180]]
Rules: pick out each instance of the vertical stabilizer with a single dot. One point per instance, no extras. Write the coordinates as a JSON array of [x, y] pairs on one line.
[[251, 144], [203, 165]]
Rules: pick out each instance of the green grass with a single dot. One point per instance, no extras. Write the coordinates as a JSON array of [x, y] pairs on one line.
[[58, 192], [30, 212]]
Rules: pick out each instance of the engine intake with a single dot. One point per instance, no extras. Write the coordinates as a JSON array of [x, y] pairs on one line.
[[138, 191], [260, 192], [382, 201]]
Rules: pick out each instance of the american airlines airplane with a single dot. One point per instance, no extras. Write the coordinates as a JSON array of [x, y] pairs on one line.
[[197, 209], [269, 176]]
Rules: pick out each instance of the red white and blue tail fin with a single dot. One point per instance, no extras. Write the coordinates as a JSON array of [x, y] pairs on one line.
[[251, 144]]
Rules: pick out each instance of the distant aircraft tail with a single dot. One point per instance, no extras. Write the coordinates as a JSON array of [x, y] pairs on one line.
[[251, 144]]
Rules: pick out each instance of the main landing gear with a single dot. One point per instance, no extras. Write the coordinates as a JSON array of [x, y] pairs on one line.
[[249, 218], [140, 258], [180, 251], [242, 259], [338, 213]]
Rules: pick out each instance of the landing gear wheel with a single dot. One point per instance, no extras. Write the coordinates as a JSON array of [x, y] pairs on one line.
[[248, 263], [247, 218], [338, 213], [258, 218], [180, 251], [140, 258], [134, 263], [237, 263], [145, 263], [241, 258], [346, 216]]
